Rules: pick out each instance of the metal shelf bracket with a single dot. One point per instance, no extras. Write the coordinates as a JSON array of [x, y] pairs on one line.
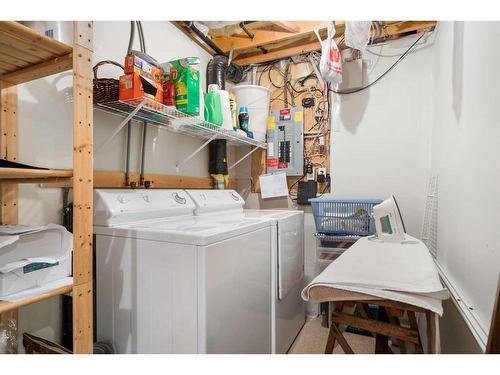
[[120, 126], [244, 157], [192, 155]]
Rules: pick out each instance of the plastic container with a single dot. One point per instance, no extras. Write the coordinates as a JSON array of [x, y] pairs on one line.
[[256, 99], [243, 120], [329, 248], [227, 122], [213, 108], [232, 106], [344, 216]]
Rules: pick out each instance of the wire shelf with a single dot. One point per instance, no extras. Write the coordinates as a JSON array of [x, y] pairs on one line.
[[175, 121]]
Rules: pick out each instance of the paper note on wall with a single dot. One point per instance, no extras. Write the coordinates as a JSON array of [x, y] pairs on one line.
[[273, 185]]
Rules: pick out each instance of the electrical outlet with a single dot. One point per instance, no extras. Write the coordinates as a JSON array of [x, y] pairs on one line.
[[321, 175]]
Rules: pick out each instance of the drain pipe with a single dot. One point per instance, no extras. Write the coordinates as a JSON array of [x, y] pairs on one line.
[[203, 37]]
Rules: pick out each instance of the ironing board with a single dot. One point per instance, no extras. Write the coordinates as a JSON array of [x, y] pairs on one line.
[[401, 278], [388, 325]]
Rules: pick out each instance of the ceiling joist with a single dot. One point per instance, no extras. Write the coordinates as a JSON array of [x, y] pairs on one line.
[[269, 40]]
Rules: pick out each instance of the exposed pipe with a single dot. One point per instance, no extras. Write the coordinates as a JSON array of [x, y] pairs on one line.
[[132, 36], [248, 32], [141, 37], [143, 154], [202, 36], [129, 124], [216, 71], [144, 124], [127, 163]]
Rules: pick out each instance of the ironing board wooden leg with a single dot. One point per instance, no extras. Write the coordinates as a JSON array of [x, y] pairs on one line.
[[395, 321], [330, 343], [414, 326], [382, 341], [341, 339], [432, 333]]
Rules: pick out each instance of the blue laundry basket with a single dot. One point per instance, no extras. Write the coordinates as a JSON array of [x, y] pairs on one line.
[[346, 217]]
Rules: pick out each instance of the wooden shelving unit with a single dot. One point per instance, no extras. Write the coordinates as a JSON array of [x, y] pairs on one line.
[[26, 55], [21, 175], [8, 306]]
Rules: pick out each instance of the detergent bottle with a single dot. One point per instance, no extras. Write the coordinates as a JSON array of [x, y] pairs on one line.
[[213, 107]]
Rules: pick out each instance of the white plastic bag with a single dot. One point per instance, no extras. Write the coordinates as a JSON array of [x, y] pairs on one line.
[[357, 34], [330, 65]]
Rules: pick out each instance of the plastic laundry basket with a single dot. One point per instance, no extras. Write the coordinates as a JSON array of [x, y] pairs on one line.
[[256, 98], [344, 216]]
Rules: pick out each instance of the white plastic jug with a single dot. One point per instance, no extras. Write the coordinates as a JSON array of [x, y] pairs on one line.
[[227, 122]]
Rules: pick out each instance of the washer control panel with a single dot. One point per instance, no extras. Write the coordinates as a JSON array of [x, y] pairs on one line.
[[113, 206]]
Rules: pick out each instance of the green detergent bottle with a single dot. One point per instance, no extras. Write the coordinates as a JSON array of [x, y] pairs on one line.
[[213, 107]]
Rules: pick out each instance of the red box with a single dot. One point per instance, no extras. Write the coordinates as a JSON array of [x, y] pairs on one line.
[[137, 86], [134, 64]]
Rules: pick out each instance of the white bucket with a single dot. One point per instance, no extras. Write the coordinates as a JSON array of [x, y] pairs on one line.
[[256, 98]]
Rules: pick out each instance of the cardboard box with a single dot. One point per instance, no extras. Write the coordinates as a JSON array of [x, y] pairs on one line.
[[185, 73], [138, 86], [135, 64]]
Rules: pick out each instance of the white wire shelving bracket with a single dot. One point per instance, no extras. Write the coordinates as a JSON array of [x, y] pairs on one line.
[[171, 119], [243, 158], [120, 126]]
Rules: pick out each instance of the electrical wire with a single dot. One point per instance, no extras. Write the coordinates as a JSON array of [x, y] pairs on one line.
[[368, 49], [348, 92], [327, 186]]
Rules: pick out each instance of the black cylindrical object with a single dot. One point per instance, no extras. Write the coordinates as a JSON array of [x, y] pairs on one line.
[[216, 71], [217, 163]]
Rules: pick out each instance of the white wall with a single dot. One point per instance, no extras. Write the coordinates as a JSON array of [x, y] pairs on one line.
[[45, 136], [466, 157], [383, 144]]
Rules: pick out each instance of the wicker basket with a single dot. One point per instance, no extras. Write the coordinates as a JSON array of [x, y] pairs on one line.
[[105, 89]]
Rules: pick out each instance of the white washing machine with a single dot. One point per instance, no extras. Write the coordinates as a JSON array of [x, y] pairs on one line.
[[170, 282], [287, 243]]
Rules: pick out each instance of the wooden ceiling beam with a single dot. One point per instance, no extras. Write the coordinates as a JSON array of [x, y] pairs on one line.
[[286, 26], [264, 36], [182, 27], [308, 44], [294, 49]]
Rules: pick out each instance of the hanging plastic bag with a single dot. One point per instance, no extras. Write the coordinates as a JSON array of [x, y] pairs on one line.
[[330, 65], [357, 34]]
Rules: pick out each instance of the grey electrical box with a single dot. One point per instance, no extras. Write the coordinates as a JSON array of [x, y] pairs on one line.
[[285, 141]]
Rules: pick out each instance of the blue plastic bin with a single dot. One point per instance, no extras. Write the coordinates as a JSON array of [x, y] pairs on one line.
[[342, 216]]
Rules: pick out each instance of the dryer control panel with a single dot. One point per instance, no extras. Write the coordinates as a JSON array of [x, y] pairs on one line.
[[285, 141], [211, 201]]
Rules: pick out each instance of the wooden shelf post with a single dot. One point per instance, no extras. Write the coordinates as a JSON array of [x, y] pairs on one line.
[[82, 186], [8, 151]]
